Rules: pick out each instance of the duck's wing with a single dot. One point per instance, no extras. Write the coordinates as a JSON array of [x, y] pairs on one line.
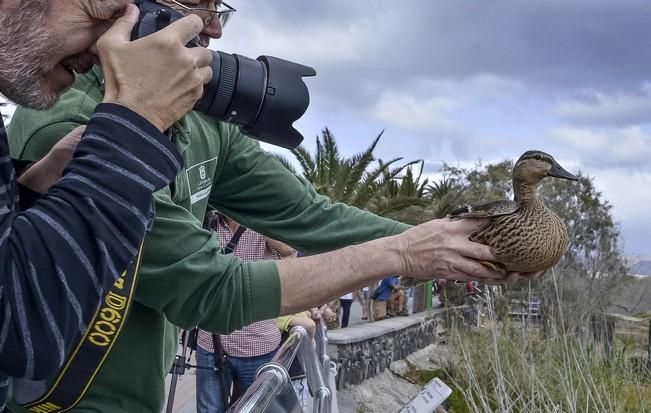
[[489, 209]]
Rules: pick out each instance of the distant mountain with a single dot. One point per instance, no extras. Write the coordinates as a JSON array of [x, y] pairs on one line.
[[641, 267]]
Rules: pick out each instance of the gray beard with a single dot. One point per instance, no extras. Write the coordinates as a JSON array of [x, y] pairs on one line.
[[25, 46]]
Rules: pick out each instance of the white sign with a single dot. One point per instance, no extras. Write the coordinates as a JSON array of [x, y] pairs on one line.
[[431, 397]]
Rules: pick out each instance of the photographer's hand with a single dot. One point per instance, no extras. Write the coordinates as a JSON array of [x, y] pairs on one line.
[[157, 76]]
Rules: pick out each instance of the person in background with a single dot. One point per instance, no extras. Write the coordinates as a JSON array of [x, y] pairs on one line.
[[389, 299], [238, 355], [362, 297], [346, 301], [330, 314], [307, 320], [397, 302]]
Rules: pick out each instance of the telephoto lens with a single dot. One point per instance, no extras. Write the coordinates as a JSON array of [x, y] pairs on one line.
[[263, 96]]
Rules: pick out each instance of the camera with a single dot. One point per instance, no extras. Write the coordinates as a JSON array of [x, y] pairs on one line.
[[264, 97]]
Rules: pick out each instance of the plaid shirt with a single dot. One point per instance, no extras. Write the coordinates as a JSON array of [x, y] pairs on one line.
[[261, 337]]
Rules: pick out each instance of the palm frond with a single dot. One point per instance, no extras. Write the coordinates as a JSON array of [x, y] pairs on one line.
[[285, 162], [373, 183], [396, 204], [331, 154], [356, 180], [306, 161], [359, 164]]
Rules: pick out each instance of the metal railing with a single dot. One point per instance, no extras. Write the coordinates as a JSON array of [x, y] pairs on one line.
[[272, 390]]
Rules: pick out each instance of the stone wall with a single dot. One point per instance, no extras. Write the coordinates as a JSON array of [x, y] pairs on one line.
[[365, 350]]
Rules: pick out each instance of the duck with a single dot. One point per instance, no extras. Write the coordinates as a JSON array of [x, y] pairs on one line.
[[525, 236]]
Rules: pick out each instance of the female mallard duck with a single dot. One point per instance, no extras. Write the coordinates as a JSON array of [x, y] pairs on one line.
[[524, 234]]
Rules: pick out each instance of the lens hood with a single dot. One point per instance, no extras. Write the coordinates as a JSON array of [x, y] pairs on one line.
[[264, 97]]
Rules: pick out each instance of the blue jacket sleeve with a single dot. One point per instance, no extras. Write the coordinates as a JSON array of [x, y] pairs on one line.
[[58, 257]]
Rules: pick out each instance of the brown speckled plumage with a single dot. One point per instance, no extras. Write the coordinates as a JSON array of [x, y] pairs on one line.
[[524, 234]]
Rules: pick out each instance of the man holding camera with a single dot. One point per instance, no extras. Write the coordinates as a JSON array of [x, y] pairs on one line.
[[73, 220], [185, 282]]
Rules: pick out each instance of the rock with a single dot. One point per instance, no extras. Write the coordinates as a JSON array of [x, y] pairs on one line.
[[399, 368], [382, 393], [364, 351], [389, 391]]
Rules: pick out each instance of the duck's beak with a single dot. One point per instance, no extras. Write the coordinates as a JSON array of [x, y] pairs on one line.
[[558, 171]]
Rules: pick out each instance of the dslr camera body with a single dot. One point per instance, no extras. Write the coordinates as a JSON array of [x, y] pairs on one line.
[[264, 97]]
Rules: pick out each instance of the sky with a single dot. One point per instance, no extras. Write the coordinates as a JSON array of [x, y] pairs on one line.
[[461, 81]]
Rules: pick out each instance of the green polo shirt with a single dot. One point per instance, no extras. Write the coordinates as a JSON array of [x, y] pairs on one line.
[[184, 280]]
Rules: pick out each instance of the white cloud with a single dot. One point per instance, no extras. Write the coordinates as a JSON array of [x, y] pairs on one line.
[[417, 114], [436, 107], [627, 192], [321, 35], [326, 43], [628, 148], [487, 86], [597, 108]]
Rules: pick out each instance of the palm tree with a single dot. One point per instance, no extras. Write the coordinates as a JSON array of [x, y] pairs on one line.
[[361, 181], [445, 195]]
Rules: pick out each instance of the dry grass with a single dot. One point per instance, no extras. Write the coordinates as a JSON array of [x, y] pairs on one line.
[[505, 369]]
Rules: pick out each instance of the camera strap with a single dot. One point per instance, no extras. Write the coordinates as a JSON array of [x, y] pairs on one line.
[[220, 365], [232, 244], [82, 365], [220, 368]]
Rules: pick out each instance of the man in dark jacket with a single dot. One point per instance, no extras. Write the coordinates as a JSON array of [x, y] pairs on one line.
[[73, 221]]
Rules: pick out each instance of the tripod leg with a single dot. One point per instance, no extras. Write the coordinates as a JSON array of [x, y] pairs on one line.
[[178, 368], [172, 393]]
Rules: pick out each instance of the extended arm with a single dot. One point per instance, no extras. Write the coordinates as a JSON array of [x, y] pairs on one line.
[[193, 284], [257, 191], [437, 249]]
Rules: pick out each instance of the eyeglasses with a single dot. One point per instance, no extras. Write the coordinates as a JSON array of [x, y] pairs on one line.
[[221, 9]]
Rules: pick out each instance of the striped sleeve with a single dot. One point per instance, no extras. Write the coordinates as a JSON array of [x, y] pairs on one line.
[[58, 257]]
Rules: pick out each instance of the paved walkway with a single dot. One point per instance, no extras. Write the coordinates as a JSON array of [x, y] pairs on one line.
[[184, 399]]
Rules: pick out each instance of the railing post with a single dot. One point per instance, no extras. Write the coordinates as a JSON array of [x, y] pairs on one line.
[[322, 349], [273, 378], [316, 378]]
